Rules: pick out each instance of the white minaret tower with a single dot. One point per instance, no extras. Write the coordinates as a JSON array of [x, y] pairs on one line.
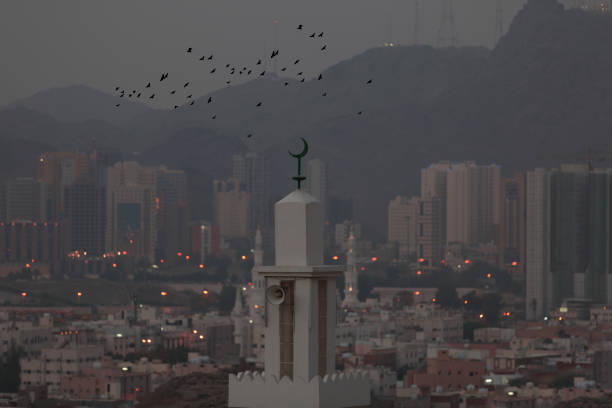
[[300, 319], [256, 294], [351, 278], [242, 331]]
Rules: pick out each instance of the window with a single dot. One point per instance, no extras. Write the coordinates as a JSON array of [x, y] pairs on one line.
[[421, 208], [420, 230]]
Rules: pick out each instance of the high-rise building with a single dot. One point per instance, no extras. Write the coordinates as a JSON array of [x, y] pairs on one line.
[[402, 224], [316, 180], [85, 205], [231, 208], [344, 230], [58, 170], [433, 184], [252, 171], [428, 241], [512, 234], [472, 203], [25, 199], [131, 207], [172, 212]]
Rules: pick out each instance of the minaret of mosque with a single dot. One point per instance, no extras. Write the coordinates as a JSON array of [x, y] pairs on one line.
[[241, 326], [351, 278], [256, 295], [300, 319]]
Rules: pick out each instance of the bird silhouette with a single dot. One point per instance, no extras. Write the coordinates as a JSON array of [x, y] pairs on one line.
[[203, 58], [211, 57], [189, 96], [189, 49], [227, 65], [300, 73], [321, 34], [283, 69], [258, 62], [186, 85], [118, 105], [122, 95], [258, 104], [249, 73], [172, 92], [138, 96], [116, 88], [130, 95], [320, 77], [263, 73], [212, 71], [286, 83], [323, 48], [163, 76], [324, 94], [209, 99], [152, 96], [369, 81], [297, 61], [191, 103], [249, 135], [148, 85], [360, 113], [302, 80], [274, 53], [299, 27], [175, 106], [214, 116], [228, 82], [312, 35]]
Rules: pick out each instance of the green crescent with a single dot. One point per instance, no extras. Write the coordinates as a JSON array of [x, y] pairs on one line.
[[304, 151]]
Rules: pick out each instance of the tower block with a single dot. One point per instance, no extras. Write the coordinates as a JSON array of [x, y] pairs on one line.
[[300, 319]]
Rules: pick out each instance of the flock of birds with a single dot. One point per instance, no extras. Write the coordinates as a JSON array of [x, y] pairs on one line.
[[150, 92]]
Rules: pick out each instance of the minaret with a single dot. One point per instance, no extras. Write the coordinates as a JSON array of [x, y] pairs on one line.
[[256, 296], [300, 319], [351, 278], [241, 326]]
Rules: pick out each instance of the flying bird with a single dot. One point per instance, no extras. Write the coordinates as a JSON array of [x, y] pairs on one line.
[[172, 92], [189, 49], [263, 73], [369, 81], [320, 77], [116, 88], [130, 95], [302, 80], [227, 65], [286, 83], [249, 73], [117, 105], [186, 85], [189, 96], [321, 34], [300, 73], [175, 106], [297, 61], [122, 95], [209, 99], [163, 76], [212, 71], [323, 48], [214, 116], [148, 85], [312, 35], [324, 94], [152, 96], [228, 82], [249, 135], [360, 112], [211, 57], [258, 104], [258, 62], [300, 27], [191, 103], [274, 53], [283, 69], [203, 58], [138, 96]]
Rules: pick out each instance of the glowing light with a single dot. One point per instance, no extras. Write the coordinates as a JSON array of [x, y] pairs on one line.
[[481, 316], [488, 381], [374, 259], [195, 331], [560, 318], [421, 260], [27, 265], [467, 261], [149, 341], [243, 289], [131, 241], [243, 257], [350, 288], [201, 337], [136, 389], [187, 257], [124, 368], [161, 260], [205, 292], [256, 306], [24, 294], [119, 335], [118, 253], [465, 301], [489, 276], [201, 266], [164, 293], [417, 292], [433, 300], [511, 393], [143, 340], [179, 254], [124, 252], [605, 308], [335, 257], [419, 272], [514, 263], [114, 265], [79, 294], [250, 321], [443, 261]]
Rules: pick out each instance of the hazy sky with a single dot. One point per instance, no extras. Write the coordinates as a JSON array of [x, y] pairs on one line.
[[103, 43]]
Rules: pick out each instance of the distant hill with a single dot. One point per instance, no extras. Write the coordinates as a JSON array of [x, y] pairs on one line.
[[80, 103], [544, 92]]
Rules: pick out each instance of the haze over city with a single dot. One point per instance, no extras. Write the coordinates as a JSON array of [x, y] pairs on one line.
[[273, 204]]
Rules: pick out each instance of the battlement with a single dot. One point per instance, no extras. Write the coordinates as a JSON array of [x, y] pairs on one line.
[[258, 390]]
